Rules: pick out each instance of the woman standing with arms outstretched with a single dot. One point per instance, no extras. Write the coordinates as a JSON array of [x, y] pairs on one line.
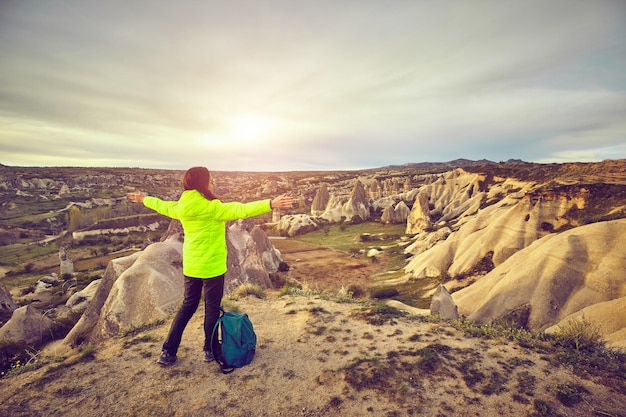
[[203, 217]]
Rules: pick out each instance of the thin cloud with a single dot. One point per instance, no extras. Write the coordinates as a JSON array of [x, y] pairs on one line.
[[337, 84]]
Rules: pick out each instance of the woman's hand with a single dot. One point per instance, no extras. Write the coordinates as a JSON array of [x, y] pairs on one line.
[[282, 202], [136, 197]]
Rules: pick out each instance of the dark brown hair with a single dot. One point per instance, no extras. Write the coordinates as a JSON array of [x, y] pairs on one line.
[[197, 178]]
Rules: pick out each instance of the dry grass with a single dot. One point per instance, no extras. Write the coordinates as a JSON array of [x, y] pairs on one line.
[[320, 357]]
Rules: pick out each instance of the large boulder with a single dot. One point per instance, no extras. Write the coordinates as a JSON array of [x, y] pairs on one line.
[[561, 276], [79, 301], [442, 304], [27, 325], [94, 325]]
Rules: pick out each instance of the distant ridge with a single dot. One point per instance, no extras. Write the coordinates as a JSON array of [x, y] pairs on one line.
[[457, 163]]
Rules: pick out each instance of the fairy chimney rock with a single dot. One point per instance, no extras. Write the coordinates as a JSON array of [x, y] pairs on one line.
[[419, 218], [320, 201], [358, 204]]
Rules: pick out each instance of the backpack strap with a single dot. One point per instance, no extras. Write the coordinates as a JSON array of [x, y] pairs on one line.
[[218, 355]]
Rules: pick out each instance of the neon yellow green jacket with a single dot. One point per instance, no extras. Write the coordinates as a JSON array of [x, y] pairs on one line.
[[204, 223]]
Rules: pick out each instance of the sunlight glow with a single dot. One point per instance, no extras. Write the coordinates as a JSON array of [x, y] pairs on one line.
[[247, 128]]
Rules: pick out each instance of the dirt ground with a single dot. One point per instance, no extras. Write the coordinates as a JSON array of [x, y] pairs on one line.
[[323, 268], [315, 357]]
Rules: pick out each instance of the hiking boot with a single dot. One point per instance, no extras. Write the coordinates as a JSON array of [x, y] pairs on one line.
[[208, 356], [166, 358]]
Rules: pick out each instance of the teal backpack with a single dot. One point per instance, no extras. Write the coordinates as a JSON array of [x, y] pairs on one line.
[[236, 340]]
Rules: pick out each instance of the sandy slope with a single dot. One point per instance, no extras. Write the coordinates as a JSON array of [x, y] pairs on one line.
[[314, 358]]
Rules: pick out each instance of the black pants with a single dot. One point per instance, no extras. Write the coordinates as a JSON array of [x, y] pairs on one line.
[[213, 292]]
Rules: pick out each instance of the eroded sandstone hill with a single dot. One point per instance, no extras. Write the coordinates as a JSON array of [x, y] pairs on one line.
[[539, 244], [546, 242]]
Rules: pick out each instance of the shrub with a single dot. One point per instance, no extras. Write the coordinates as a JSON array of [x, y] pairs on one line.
[[570, 394], [579, 335], [384, 292], [245, 289], [14, 356]]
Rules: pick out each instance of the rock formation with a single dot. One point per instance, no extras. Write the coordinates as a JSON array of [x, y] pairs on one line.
[[418, 219], [44, 284], [320, 201], [148, 286], [135, 290], [397, 214], [425, 241], [334, 210], [7, 305], [27, 325], [356, 209], [573, 274], [443, 305], [251, 257], [291, 225], [79, 301], [66, 264], [504, 228], [374, 190]]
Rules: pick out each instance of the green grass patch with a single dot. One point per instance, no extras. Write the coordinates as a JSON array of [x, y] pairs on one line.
[[346, 237], [15, 254]]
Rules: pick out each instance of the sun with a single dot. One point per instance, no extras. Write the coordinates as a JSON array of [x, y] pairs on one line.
[[248, 128]]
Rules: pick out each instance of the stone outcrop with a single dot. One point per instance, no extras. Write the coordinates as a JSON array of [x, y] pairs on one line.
[[503, 228], [81, 234], [356, 209], [292, 225], [27, 325], [397, 214], [425, 241], [251, 257], [66, 263], [334, 210], [320, 201], [443, 305], [79, 301], [46, 283], [568, 275], [418, 219], [7, 305], [135, 290], [607, 317]]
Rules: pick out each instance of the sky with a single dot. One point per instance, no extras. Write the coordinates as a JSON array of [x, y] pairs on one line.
[[283, 85]]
